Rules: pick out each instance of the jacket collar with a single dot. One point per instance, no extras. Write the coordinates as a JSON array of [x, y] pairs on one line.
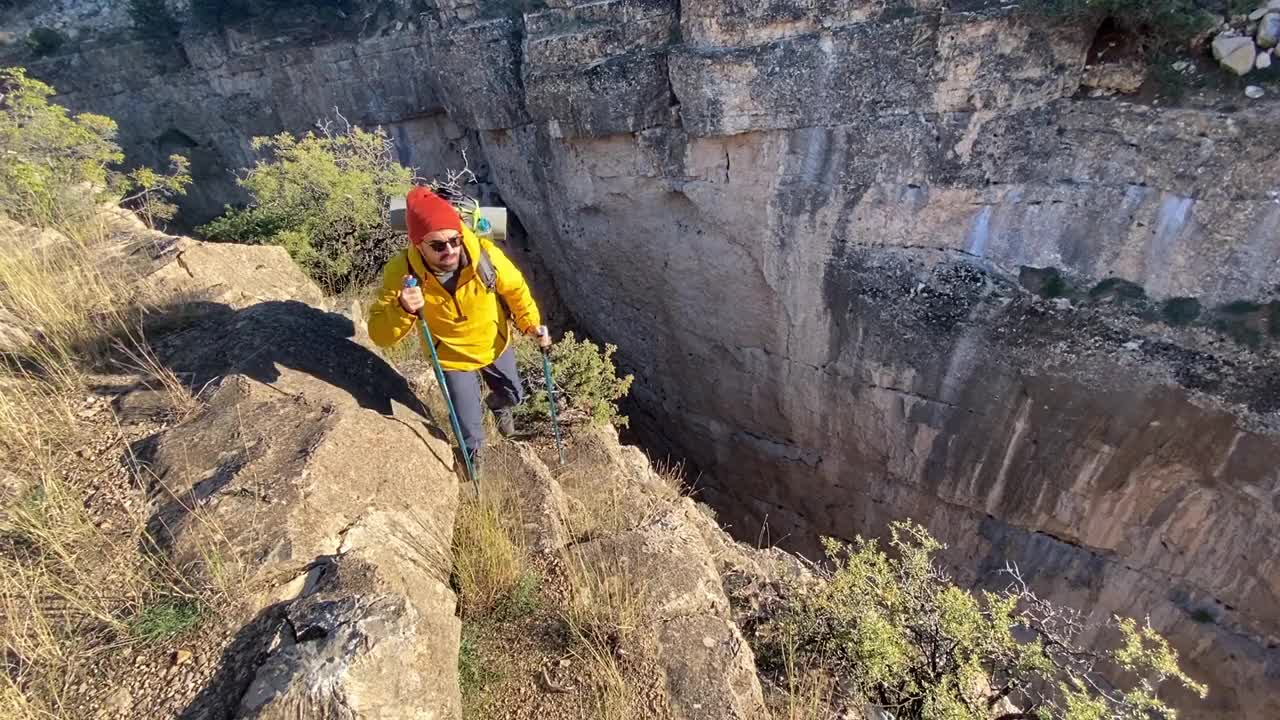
[[469, 241]]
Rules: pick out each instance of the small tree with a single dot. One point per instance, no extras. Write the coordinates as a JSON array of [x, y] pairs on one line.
[[50, 158], [896, 632], [153, 20], [587, 383], [152, 191], [324, 197]]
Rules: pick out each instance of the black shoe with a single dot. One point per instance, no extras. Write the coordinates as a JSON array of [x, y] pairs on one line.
[[506, 422]]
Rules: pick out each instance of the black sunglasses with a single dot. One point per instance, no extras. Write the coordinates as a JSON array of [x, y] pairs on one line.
[[440, 245]]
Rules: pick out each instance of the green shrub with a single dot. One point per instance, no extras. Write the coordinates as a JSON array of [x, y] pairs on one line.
[[324, 198], [1164, 22], [217, 14], [152, 191], [51, 158], [58, 167], [152, 19], [587, 383], [1181, 310], [45, 40], [474, 672], [894, 630]]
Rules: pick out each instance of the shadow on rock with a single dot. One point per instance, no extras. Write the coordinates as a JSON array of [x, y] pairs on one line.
[[252, 644], [258, 340]]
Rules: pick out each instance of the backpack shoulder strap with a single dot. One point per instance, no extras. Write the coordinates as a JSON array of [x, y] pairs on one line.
[[486, 270], [488, 273]]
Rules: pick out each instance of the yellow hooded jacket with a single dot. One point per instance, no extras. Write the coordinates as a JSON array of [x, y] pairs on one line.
[[470, 327]]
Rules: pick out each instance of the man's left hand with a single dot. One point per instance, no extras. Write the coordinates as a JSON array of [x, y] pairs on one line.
[[543, 335]]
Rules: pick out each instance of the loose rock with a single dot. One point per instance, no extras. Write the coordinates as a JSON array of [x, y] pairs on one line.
[[1234, 52], [1264, 60], [1254, 92], [121, 701], [1269, 30]]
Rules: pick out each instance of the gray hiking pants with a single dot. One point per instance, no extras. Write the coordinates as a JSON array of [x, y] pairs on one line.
[[505, 390]]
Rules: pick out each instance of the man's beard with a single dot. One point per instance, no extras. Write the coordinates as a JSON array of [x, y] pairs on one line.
[[450, 267]]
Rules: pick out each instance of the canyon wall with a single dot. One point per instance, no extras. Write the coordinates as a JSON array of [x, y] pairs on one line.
[[867, 260]]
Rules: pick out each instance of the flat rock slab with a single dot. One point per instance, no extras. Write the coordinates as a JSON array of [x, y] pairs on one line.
[[711, 673], [667, 560], [311, 472]]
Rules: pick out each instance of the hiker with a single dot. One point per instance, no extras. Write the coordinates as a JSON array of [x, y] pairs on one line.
[[467, 289]]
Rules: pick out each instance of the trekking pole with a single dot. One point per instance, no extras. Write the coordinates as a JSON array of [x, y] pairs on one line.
[[444, 388], [551, 395]]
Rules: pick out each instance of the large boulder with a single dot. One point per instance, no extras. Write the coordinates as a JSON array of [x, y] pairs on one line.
[[233, 274], [1235, 53], [312, 472], [1269, 30]]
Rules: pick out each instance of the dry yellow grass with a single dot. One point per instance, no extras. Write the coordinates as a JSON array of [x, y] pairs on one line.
[[489, 556], [808, 692], [606, 609], [70, 590], [136, 355]]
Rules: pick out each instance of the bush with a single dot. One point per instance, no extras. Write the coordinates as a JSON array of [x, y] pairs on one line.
[[152, 19], [587, 383], [58, 167], [45, 40], [324, 197], [217, 14], [897, 632], [1164, 22], [51, 157], [152, 191]]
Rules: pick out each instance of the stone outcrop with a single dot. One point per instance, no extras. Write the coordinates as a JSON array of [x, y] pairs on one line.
[[806, 229], [292, 477], [662, 548]]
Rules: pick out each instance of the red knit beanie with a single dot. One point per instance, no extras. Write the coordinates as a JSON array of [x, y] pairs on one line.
[[427, 212]]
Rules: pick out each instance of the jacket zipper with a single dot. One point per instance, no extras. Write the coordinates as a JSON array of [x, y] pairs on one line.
[[452, 296]]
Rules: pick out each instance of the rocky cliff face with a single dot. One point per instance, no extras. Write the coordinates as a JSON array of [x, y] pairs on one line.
[[867, 260]]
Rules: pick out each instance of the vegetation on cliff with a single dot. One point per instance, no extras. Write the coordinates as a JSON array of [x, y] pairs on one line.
[[588, 386], [324, 197], [58, 167], [1163, 22], [891, 628], [76, 580]]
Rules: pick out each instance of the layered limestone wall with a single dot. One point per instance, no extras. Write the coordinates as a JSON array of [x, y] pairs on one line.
[[813, 229]]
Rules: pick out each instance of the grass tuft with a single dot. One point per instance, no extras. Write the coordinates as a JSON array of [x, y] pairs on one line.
[[490, 562], [166, 618], [606, 608]]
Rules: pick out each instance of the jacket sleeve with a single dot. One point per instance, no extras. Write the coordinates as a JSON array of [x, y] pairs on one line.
[[388, 322], [514, 289]]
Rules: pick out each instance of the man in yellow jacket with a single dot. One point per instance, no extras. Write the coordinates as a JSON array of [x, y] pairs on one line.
[[468, 319]]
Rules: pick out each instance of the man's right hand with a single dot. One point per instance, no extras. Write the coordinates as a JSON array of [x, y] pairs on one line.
[[411, 298]]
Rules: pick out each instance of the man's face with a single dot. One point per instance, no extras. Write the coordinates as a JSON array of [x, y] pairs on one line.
[[442, 249]]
